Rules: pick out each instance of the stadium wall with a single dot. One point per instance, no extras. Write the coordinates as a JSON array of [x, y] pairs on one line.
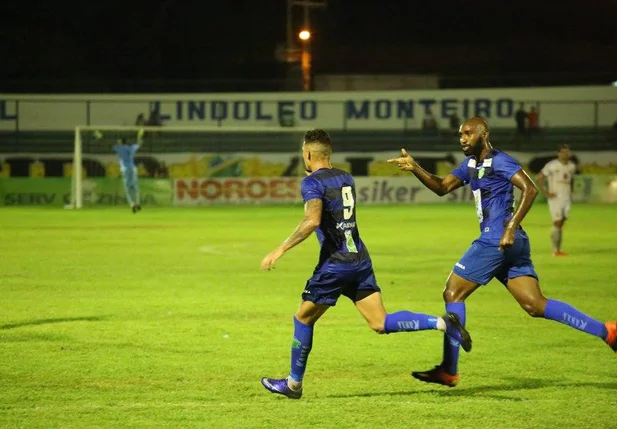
[[101, 192], [378, 110], [253, 164]]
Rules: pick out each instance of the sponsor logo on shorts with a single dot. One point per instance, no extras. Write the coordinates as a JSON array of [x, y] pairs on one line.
[[461, 266]]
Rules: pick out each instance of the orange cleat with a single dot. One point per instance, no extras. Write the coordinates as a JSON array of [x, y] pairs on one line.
[[436, 375], [611, 338], [558, 253]]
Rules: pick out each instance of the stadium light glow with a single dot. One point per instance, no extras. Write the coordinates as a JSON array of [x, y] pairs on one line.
[[304, 35]]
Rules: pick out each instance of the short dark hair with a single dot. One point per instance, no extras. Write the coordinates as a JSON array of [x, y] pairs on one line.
[[483, 121], [317, 136], [562, 147]]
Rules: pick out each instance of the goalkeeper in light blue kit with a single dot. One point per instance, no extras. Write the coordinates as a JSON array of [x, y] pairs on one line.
[[126, 153]]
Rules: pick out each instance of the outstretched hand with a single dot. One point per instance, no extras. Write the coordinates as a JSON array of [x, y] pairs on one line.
[[405, 162]]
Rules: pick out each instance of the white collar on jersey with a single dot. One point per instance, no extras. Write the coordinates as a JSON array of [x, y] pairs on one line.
[[486, 163]]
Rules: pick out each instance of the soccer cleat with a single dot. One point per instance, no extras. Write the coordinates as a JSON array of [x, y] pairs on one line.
[[436, 375], [281, 387], [611, 338], [456, 331], [559, 253]]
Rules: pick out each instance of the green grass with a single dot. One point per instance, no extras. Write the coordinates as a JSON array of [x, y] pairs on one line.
[[163, 320]]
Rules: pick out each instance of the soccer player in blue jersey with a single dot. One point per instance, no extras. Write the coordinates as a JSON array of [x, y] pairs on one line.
[[502, 251], [344, 266], [126, 153]]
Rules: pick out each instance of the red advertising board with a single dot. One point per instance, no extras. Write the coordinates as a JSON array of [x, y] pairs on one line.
[[203, 191]]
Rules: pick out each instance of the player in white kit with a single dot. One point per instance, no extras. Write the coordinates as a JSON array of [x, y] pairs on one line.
[[559, 174]]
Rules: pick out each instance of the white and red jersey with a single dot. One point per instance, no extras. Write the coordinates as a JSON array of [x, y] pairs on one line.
[[559, 177]]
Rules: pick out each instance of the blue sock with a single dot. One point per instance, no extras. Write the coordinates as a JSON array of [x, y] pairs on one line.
[[568, 315], [405, 321], [451, 347], [300, 349]]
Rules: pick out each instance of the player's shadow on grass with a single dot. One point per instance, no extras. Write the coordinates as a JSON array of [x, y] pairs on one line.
[[490, 391], [37, 322]]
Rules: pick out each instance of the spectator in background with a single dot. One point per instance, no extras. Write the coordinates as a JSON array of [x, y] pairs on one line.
[[521, 118], [161, 171], [155, 118], [455, 123], [429, 124], [533, 119], [141, 120]]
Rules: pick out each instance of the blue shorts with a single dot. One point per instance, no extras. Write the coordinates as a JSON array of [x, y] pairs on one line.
[[483, 261], [325, 286]]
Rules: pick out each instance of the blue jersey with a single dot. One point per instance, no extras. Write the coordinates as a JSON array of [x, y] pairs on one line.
[[126, 153], [341, 246], [492, 190]]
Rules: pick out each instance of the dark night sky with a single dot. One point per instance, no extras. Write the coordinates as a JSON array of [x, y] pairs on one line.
[[237, 38]]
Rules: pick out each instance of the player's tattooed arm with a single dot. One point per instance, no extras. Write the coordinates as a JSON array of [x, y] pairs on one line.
[[312, 219]]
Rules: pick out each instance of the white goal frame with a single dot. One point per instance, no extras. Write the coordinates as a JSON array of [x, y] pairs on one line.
[[76, 180]]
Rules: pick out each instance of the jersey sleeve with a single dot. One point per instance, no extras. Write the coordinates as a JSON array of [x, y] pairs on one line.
[[115, 148], [547, 170], [311, 189], [134, 147], [462, 171], [506, 166]]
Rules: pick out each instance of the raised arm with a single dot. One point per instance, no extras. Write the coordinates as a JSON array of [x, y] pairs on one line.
[[312, 219], [140, 136], [440, 186], [529, 192]]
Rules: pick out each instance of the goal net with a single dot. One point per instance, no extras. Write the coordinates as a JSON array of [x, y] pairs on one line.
[[204, 165]]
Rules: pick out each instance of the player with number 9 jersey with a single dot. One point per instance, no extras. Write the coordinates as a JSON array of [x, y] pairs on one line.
[[342, 248], [344, 265]]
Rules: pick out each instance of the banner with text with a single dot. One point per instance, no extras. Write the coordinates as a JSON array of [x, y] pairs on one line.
[[270, 190], [180, 165], [409, 190], [260, 190], [369, 190], [96, 192], [397, 110]]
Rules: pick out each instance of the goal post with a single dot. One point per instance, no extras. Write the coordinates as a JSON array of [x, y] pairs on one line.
[[91, 141]]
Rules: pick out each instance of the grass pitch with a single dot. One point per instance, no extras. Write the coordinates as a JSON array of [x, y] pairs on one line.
[[163, 320]]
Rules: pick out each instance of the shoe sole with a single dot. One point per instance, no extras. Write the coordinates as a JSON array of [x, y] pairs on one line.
[[466, 341], [424, 379], [270, 388]]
